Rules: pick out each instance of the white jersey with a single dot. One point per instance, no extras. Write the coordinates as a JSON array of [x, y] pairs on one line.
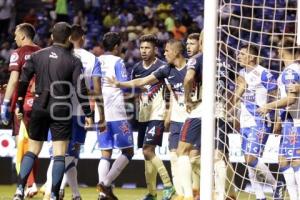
[[90, 65], [114, 105], [259, 82], [290, 75]]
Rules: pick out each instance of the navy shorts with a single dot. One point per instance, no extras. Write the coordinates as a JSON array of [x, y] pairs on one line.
[[175, 128], [191, 132], [150, 133]]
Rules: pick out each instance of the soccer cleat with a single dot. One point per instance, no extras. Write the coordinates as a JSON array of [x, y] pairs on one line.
[[77, 198], [61, 194], [106, 192], [31, 191], [168, 192], [279, 191], [196, 194], [150, 197], [18, 197]]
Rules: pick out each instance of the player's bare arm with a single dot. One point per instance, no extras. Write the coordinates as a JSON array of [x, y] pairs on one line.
[[188, 85], [139, 82]]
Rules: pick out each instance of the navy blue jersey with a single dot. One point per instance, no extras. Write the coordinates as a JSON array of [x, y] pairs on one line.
[[174, 77], [151, 101], [195, 63]]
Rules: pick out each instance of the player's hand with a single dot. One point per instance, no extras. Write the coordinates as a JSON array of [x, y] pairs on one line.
[[19, 113], [5, 114], [102, 126], [262, 111], [293, 88], [88, 122], [112, 81], [277, 128]]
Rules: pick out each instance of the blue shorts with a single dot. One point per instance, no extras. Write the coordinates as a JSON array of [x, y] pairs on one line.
[[290, 141], [175, 128], [191, 132], [254, 138], [118, 135], [150, 133], [78, 130]]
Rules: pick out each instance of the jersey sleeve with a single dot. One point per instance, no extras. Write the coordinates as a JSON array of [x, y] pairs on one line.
[[28, 70], [290, 76], [162, 72], [15, 63], [97, 68], [268, 81], [195, 64], [120, 71]]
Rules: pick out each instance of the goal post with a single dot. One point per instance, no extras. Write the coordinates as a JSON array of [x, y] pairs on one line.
[[208, 98]]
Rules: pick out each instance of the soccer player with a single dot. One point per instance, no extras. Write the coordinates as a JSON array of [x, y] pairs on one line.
[[24, 35], [51, 108], [193, 45], [222, 166], [93, 82], [118, 133], [174, 72], [259, 83], [151, 117], [289, 152]]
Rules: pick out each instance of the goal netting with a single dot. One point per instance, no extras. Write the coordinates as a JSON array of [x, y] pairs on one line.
[[263, 24]]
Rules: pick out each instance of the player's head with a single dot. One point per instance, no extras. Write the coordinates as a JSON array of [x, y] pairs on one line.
[[24, 32], [248, 55], [192, 44], [148, 47], [61, 33], [111, 42], [77, 35], [288, 50], [174, 49]]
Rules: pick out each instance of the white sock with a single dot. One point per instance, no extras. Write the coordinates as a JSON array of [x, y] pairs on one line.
[[49, 178], [103, 169], [258, 189], [72, 179], [297, 176], [220, 179], [267, 173], [291, 184], [185, 175], [174, 169], [68, 161], [120, 163]]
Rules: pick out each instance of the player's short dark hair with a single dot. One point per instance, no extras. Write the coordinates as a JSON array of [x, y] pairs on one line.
[[27, 29], [149, 38], [61, 32], [252, 49], [194, 36], [110, 40], [77, 32], [178, 45]]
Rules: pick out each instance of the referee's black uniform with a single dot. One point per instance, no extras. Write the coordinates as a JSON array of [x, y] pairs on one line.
[[56, 70]]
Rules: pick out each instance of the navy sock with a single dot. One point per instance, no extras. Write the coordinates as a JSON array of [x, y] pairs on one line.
[[57, 174], [26, 167]]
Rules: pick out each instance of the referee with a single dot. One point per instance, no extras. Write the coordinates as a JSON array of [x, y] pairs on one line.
[[57, 70]]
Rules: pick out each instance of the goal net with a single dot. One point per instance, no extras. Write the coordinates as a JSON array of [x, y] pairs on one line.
[[256, 46]]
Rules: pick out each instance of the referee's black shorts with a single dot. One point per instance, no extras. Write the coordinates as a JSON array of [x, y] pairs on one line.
[[58, 120]]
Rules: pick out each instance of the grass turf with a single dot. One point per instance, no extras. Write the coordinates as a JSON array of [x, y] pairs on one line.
[[90, 193]]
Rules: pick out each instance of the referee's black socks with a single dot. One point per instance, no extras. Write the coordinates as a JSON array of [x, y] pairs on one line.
[[26, 167], [57, 174]]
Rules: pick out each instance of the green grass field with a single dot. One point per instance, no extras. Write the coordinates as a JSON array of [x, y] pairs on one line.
[[90, 193]]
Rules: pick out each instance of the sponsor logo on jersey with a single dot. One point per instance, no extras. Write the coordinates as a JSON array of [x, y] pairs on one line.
[[14, 57]]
